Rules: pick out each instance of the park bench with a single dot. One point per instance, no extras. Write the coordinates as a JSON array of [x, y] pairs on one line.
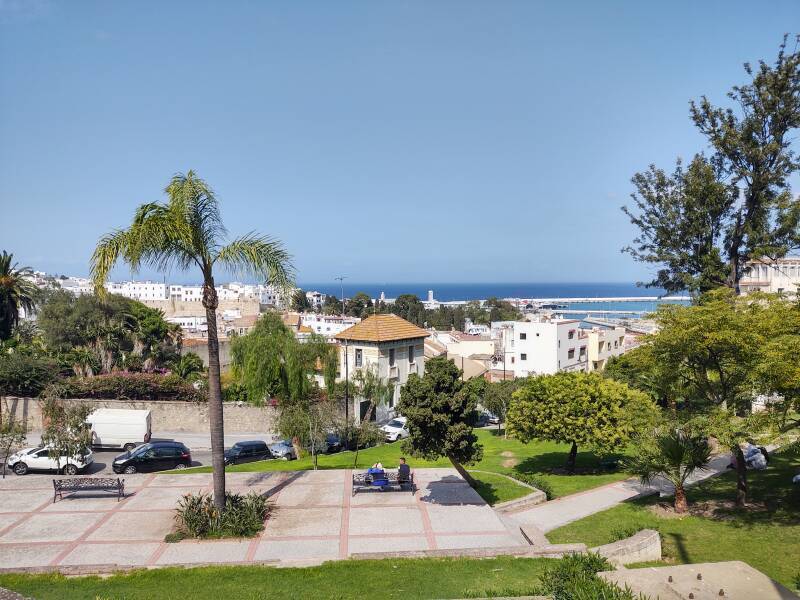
[[389, 480], [85, 484]]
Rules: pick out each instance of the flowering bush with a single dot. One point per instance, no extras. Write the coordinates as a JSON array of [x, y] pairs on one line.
[[131, 386]]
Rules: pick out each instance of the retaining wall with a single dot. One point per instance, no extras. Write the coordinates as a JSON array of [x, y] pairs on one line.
[[166, 415], [640, 547]]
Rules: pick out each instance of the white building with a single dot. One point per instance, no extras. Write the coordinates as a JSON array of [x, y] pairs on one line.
[[476, 328], [327, 325], [139, 290], [316, 299], [391, 346], [782, 275], [189, 323], [549, 345]]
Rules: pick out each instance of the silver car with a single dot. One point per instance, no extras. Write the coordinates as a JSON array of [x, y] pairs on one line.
[[283, 449]]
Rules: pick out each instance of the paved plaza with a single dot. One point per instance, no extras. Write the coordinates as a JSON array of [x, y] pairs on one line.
[[315, 518]]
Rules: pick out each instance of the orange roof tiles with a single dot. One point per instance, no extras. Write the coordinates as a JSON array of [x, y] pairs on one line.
[[382, 328]]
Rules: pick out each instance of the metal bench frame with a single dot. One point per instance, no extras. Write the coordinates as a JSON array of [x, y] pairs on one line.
[[364, 481], [83, 484]]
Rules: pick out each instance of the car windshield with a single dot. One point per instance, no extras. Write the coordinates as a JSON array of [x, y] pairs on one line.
[[396, 423], [141, 449]]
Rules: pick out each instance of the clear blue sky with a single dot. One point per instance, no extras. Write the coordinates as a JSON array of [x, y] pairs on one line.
[[387, 140]]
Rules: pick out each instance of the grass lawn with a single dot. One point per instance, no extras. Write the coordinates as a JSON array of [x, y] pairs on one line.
[[767, 536], [500, 455], [406, 578]]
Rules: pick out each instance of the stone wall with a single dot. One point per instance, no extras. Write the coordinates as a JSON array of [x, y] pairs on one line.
[[167, 415], [640, 547], [172, 308]]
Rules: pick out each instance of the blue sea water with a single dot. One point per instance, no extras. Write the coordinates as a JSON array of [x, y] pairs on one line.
[[480, 291]]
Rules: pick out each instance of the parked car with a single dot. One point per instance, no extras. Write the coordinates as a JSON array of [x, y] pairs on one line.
[[395, 429], [243, 452], [493, 418], [119, 427], [283, 449], [153, 456], [335, 443], [39, 459]]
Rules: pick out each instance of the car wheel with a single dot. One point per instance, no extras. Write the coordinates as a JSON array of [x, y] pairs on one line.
[[20, 468], [180, 466], [129, 470], [129, 447], [70, 470]]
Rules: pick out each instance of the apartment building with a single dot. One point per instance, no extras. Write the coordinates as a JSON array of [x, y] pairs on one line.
[[327, 325], [387, 344], [782, 275], [316, 299], [550, 345]]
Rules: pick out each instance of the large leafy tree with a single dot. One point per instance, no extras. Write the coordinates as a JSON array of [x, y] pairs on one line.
[[579, 409], [16, 292], [442, 410], [498, 397], [703, 225], [187, 233]]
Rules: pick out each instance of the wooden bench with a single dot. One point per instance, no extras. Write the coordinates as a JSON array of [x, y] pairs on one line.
[[390, 480], [86, 484]]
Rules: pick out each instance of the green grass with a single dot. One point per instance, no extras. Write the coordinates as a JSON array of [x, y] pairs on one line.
[[767, 538], [395, 578], [500, 455]]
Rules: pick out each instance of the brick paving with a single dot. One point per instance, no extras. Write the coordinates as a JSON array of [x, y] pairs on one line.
[[316, 518]]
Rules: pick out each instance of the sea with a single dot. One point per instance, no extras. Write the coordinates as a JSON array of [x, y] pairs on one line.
[[448, 292]]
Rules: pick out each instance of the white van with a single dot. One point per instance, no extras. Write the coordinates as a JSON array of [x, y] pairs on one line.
[[119, 427]]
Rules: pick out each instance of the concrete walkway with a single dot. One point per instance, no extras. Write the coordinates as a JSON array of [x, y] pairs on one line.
[[316, 518], [556, 513]]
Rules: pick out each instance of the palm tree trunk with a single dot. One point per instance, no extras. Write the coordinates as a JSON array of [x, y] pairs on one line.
[[741, 479], [573, 454], [681, 505], [462, 471], [215, 416]]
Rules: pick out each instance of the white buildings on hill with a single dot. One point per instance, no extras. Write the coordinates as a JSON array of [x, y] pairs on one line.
[[316, 299], [782, 275], [551, 345], [327, 325]]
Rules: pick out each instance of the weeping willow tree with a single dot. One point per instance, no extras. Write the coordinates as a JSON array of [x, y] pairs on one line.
[[271, 363], [370, 387]]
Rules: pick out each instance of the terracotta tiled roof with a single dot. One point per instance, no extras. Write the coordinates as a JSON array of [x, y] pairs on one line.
[[382, 328]]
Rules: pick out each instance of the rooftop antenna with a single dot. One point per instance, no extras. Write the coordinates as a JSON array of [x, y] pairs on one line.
[[341, 279]]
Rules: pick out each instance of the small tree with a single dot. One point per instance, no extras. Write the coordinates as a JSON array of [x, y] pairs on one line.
[[377, 392], [12, 435], [672, 453], [441, 411], [497, 399], [65, 432], [579, 409]]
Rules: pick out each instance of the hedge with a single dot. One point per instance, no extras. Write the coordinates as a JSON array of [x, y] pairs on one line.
[[129, 386]]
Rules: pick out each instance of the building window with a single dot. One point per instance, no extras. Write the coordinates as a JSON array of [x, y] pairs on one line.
[[571, 353], [523, 336], [523, 356], [359, 357], [391, 357], [411, 355], [571, 333]]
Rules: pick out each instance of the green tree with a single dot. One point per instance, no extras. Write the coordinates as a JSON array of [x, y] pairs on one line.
[[369, 386], [300, 301], [640, 370], [671, 452], [498, 397], [189, 366], [64, 432], [16, 293], [24, 373], [441, 411], [332, 306], [359, 305], [12, 435], [702, 229], [580, 409], [186, 233]]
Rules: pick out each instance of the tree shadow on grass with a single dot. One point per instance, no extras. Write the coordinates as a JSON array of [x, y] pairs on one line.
[[586, 463]]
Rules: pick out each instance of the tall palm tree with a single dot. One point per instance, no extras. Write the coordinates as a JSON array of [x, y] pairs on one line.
[[16, 292], [186, 232]]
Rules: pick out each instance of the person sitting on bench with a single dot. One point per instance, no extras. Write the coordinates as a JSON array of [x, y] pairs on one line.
[[377, 475], [403, 471]]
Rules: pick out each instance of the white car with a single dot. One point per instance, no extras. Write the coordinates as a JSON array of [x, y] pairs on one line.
[[38, 459], [395, 429]]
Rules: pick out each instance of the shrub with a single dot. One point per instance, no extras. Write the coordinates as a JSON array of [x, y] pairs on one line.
[[244, 516], [235, 392], [131, 386], [622, 533], [574, 577], [536, 481], [24, 374]]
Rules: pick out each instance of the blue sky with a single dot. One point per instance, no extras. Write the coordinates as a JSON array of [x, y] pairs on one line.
[[389, 141]]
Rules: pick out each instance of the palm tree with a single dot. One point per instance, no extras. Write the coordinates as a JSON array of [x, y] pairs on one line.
[[188, 366], [673, 454], [187, 232], [16, 292]]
